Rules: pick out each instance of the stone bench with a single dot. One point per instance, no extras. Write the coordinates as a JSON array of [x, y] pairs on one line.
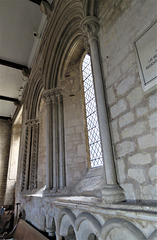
[[23, 231]]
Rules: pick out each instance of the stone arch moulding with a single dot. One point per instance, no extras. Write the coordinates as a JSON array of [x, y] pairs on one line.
[[65, 28], [153, 236], [96, 226], [32, 126], [70, 214], [121, 223], [34, 92]]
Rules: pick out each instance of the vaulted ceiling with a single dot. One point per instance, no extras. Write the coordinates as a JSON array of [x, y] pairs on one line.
[[21, 24]]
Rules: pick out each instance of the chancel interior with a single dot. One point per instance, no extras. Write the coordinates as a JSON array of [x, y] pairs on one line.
[[78, 149]]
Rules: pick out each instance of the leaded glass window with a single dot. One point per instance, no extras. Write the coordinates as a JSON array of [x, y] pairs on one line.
[[95, 149]]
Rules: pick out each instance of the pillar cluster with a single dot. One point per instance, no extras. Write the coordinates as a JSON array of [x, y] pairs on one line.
[[55, 157], [30, 157]]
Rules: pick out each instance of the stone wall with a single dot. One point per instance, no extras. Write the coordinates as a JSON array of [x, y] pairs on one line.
[[132, 120], [87, 216], [12, 166], [74, 125], [133, 116], [5, 136]]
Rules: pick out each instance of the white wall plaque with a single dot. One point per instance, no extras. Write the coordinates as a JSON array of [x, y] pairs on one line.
[[146, 49]]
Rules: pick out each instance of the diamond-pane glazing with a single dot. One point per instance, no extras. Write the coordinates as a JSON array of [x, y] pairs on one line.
[[91, 115]]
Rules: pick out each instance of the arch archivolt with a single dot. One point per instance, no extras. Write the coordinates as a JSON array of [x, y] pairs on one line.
[[153, 235], [114, 226], [65, 28], [86, 224], [34, 92], [65, 220], [62, 32]]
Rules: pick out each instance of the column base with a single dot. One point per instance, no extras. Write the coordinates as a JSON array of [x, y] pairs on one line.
[[50, 231], [112, 194]]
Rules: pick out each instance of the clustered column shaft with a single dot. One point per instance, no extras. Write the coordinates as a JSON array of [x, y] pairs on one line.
[[30, 157], [55, 160]]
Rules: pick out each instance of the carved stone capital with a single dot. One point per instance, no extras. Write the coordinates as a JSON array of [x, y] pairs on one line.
[[51, 94], [31, 122], [90, 27], [46, 96]]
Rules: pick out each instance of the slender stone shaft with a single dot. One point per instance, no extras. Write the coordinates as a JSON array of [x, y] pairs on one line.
[[111, 192], [102, 114], [55, 160], [28, 158], [31, 159], [48, 145], [61, 143]]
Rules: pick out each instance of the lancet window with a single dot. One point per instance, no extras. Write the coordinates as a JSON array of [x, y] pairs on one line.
[[96, 158]]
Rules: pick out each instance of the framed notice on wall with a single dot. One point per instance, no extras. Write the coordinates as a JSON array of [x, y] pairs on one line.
[[146, 49]]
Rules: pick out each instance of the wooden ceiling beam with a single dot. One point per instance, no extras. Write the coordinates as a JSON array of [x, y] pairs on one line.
[[12, 65], [5, 118], [36, 1], [15, 100]]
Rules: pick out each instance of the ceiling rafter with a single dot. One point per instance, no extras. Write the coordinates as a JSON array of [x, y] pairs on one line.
[[12, 65], [5, 98], [5, 118], [36, 1]]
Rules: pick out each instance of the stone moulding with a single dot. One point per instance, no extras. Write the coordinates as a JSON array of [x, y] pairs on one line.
[[121, 223], [55, 156], [30, 155]]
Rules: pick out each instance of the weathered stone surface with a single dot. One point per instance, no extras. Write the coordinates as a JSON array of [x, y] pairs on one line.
[[153, 120], [153, 101], [114, 131], [153, 173], [134, 130], [113, 77], [149, 192], [81, 150], [125, 148], [111, 96], [121, 170], [129, 191], [141, 111], [136, 174], [135, 97], [114, 234], [118, 108], [149, 140], [128, 63], [126, 119], [125, 85], [140, 159]]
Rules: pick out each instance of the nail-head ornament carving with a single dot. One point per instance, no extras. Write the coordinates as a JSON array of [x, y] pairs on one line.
[[90, 26]]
